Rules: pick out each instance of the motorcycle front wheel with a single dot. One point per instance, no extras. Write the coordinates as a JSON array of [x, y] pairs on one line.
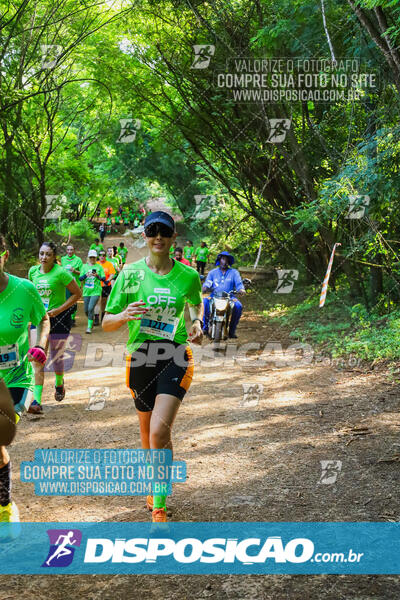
[[218, 331]]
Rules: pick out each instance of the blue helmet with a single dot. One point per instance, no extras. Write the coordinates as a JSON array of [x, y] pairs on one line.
[[230, 258]]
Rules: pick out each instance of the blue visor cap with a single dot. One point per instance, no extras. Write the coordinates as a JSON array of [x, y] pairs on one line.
[[160, 217], [230, 258]]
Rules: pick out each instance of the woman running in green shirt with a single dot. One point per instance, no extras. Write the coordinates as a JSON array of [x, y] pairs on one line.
[[188, 251], [172, 249], [115, 261], [201, 254], [122, 251], [20, 304], [51, 281], [150, 296], [97, 246], [73, 264], [92, 275]]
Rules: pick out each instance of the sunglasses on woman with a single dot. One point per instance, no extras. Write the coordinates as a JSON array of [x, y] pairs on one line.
[[158, 228]]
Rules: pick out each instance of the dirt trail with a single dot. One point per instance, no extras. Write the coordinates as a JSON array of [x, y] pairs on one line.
[[254, 461]]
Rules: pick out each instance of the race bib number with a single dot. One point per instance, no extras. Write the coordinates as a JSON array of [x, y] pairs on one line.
[[159, 324], [9, 356], [46, 303], [89, 283]]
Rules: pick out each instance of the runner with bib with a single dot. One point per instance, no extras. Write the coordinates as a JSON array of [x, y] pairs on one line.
[[201, 255], [188, 251], [112, 259], [20, 304], [150, 296], [51, 281], [73, 264], [122, 252], [110, 275], [92, 275]]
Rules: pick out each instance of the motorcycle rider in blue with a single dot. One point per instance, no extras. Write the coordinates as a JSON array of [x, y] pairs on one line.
[[224, 279]]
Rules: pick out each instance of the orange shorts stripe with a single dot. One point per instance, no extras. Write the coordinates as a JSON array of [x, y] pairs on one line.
[[188, 376]]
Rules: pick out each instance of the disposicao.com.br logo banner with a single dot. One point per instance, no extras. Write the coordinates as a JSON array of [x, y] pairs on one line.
[[201, 548]]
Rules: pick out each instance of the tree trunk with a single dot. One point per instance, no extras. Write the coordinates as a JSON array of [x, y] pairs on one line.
[[376, 280]]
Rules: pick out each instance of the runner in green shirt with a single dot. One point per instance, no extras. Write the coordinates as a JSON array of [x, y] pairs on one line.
[[73, 264], [92, 275], [118, 257], [172, 249], [201, 254], [97, 246], [51, 282], [20, 304], [188, 251], [115, 261], [122, 251], [150, 296]]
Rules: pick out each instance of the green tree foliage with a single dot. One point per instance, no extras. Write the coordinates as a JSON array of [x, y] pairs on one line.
[[61, 127]]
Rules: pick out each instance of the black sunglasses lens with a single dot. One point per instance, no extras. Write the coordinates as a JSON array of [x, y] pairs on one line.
[[155, 228], [150, 231], [166, 231]]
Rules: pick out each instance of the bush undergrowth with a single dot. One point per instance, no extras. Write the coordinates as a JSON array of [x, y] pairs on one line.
[[339, 328]]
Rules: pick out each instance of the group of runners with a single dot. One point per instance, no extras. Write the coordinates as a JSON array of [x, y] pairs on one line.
[[128, 217], [149, 296], [191, 256]]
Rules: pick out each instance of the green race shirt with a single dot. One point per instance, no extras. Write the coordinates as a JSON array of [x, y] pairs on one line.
[[202, 254], [72, 263], [97, 247], [165, 295], [51, 286], [188, 252], [20, 304], [122, 252], [92, 285], [114, 261]]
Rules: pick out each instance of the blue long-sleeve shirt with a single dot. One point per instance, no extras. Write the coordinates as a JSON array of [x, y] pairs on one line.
[[220, 281]]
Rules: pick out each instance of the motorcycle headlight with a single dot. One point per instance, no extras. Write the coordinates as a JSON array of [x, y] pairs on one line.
[[220, 305]]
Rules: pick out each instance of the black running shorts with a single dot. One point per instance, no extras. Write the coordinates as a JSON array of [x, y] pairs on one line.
[[158, 367], [61, 324], [106, 291]]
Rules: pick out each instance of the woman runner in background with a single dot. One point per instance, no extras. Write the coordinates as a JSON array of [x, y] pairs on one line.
[[201, 255], [92, 275], [51, 281], [73, 264], [150, 296]]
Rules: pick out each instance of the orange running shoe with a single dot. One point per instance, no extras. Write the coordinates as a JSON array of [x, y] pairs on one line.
[[159, 515], [149, 503]]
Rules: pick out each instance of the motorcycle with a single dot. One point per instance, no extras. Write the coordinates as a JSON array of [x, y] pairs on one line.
[[221, 305]]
